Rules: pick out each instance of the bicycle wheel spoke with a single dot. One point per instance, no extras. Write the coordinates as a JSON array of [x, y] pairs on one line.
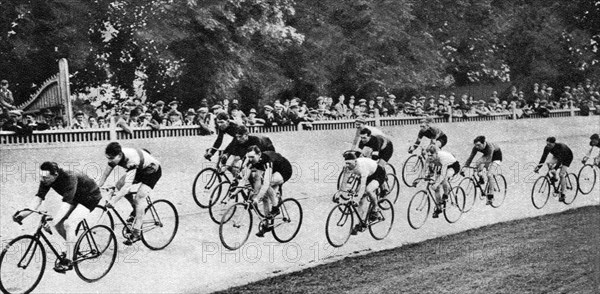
[[22, 265], [159, 225], [288, 222], [95, 253], [221, 199]]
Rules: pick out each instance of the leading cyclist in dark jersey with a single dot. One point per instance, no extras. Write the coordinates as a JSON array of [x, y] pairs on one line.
[[489, 163], [438, 138], [237, 149], [561, 158], [224, 126]]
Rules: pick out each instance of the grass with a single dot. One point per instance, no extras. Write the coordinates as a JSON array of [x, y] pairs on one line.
[[557, 253]]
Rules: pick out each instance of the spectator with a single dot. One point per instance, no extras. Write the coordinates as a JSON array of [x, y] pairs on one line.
[[419, 110], [237, 115], [158, 113], [464, 104], [267, 115], [173, 107], [102, 109], [124, 121], [6, 97], [41, 123], [174, 118], [351, 103], [31, 122], [93, 123], [102, 124], [356, 112], [147, 120], [190, 117], [543, 109], [390, 105], [253, 120], [206, 121], [482, 109], [15, 124], [79, 123], [340, 107], [59, 124], [280, 117]]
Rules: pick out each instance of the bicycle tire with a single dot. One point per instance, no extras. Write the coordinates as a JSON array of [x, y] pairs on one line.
[[500, 194], [470, 190], [586, 179], [420, 202], [389, 168], [234, 219], [571, 189], [455, 204], [99, 216], [220, 201], [156, 215], [9, 274], [540, 192], [410, 169], [205, 180], [346, 217], [92, 245], [386, 215], [290, 213], [393, 189]]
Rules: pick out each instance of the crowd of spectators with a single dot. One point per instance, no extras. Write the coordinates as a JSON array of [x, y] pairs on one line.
[[133, 113]]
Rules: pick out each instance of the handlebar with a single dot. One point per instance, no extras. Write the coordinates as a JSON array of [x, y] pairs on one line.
[[44, 214]]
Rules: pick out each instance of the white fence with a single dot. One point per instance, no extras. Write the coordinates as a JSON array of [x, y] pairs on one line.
[[105, 135]]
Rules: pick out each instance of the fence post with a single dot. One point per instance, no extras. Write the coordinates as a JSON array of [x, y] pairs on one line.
[[377, 120], [299, 126], [571, 108], [113, 128], [513, 107], [450, 113]]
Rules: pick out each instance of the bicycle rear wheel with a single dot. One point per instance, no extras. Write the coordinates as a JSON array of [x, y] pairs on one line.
[[339, 224], [206, 180], [540, 192], [498, 189], [288, 222], [390, 168], [418, 209], [586, 179], [160, 224], [22, 265], [571, 188], [454, 205], [95, 253], [469, 188], [381, 228], [235, 227], [221, 200], [411, 169], [393, 186]]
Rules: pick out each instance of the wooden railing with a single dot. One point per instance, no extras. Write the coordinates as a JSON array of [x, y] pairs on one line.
[[105, 135]]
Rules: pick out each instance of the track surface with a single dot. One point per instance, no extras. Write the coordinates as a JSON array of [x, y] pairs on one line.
[[196, 261]]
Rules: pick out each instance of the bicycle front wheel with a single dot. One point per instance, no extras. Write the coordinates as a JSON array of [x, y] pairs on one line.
[[390, 168], [95, 253], [204, 183], [385, 220], [393, 186], [418, 209], [586, 179], [498, 189], [339, 224], [160, 224], [571, 188], [469, 188], [454, 205], [22, 265], [540, 192], [288, 222], [411, 169], [235, 227], [221, 200]]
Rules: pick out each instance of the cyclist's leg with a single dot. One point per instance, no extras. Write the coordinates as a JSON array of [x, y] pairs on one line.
[[370, 192], [480, 166], [385, 156], [140, 204], [563, 175], [597, 161], [60, 240], [234, 163], [552, 165], [70, 225], [276, 182]]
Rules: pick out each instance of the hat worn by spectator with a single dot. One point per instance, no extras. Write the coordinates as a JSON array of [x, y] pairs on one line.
[[173, 102], [379, 98], [253, 110], [190, 111], [279, 106], [216, 106], [160, 103], [391, 96], [203, 110], [137, 98], [78, 113], [268, 107]]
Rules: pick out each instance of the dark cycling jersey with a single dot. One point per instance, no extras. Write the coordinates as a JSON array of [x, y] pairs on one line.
[[597, 145], [231, 130], [491, 151], [431, 133], [75, 188], [376, 143], [236, 148], [276, 162], [561, 152]]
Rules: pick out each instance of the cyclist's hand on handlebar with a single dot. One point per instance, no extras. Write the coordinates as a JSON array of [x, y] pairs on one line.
[[462, 173], [537, 168], [207, 155], [411, 149], [585, 158], [109, 204], [223, 158], [18, 218]]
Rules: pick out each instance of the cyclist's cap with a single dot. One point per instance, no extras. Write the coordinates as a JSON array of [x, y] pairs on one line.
[[242, 130], [595, 137], [349, 156], [222, 116], [361, 120]]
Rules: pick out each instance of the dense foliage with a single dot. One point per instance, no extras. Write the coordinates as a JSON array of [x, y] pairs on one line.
[[268, 49]]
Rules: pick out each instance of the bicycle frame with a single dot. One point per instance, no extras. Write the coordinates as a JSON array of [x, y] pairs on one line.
[[482, 190], [155, 216]]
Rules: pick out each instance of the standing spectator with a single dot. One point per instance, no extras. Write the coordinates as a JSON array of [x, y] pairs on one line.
[[158, 113], [281, 117], [6, 97], [351, 103], [268, 115], [93, 123], [482, 109], [237, 115], [379, 105], [102, 124], [341, 107], [123, 121], [205, 121], [390, 105], [190, 117], [550, 94], [79, 123], [252, 119], [173, 107], [174, 118]]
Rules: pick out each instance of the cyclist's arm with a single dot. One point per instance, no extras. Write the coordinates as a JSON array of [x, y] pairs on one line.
[[355, 142], [35, 204], [418, 141], [589, 153], [473, 152], [266, 183], [544, 155], [442, 176], [105, 175], [129, 176], [487, 153], [363, 185], [219, 140]]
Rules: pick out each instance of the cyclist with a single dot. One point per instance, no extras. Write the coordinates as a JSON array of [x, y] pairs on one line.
[[436, 135], [361, 124], [378, 148], [75, 188], [224, 126], [372, 176], [445, 166], [237, 149], [489, 163], [562, 156], [594, 142], [143, 169], [266, 171]]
